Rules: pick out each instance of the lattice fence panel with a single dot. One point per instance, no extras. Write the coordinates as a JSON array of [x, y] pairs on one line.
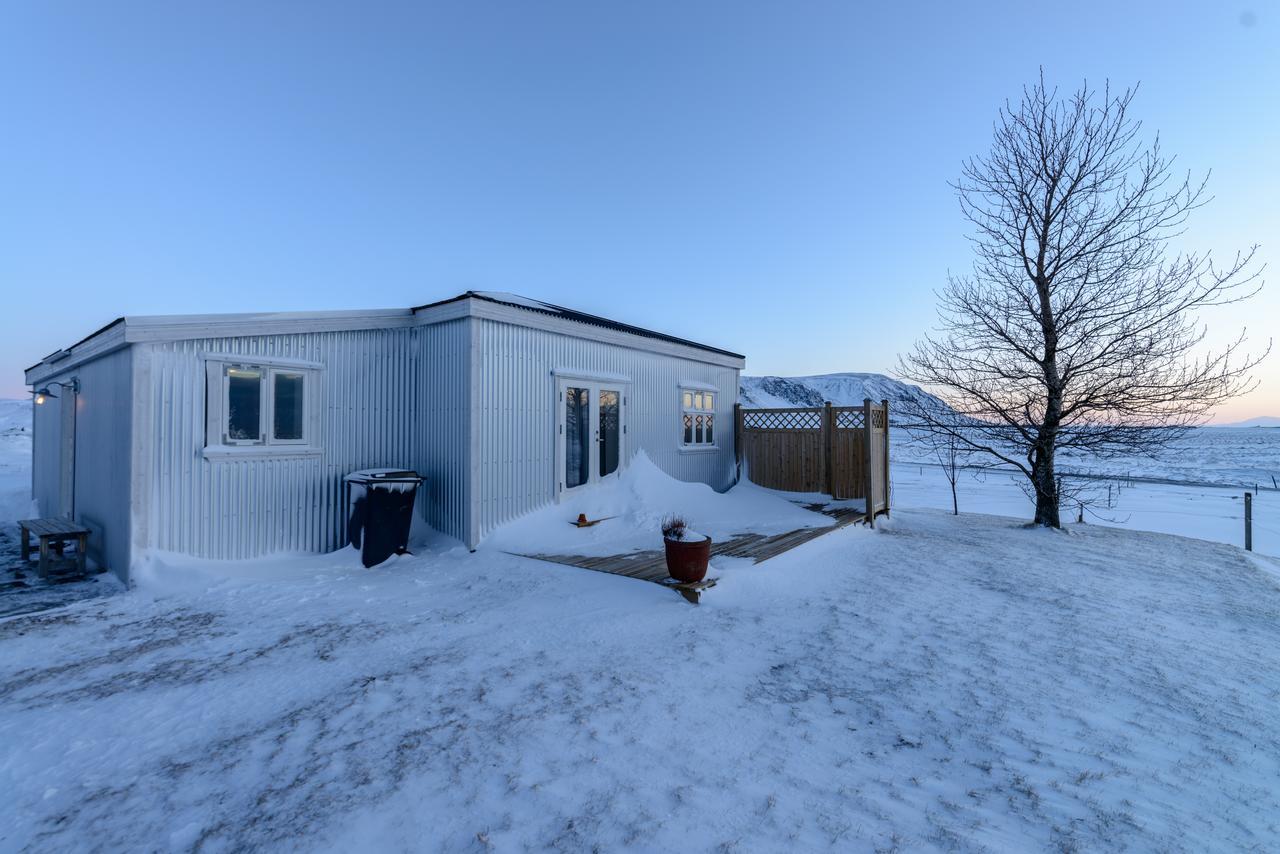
[[850, 419], [783, 419]]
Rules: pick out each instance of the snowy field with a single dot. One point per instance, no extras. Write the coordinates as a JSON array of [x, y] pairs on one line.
[[1235, 457], [15, 459], [938, 684], [1203, 512]]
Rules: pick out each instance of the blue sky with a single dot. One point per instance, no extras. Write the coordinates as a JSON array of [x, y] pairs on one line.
[[767, 177]]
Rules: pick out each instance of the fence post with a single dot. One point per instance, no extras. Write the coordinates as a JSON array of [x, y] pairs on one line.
[[885, 405], [1248, 521], [737, 442], [828, 442], [868, 488]]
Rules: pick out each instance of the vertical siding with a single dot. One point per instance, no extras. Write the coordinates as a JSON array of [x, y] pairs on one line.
[[240, 508], [516, 414], [104, 413], [46, 456], [440, 428], [102, 465], [469, 403]]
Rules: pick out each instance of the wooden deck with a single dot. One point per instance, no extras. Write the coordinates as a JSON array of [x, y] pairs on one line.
[[652, 565]]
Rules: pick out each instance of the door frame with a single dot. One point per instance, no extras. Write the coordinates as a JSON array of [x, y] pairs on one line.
[[594, 383]]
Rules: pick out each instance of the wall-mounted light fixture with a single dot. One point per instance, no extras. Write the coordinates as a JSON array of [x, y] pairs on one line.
[[43, 393]]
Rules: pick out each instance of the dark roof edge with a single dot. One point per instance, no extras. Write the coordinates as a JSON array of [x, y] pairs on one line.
[[588, 319], [67, 350]]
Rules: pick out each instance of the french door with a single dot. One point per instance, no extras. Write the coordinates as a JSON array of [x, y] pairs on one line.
[[591, 431]]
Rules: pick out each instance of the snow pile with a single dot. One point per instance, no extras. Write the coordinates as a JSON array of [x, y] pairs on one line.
[[636, 501], [937, 684]]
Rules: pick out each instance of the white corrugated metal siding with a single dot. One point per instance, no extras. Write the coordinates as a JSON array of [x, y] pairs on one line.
[[470, 403], [103, 457], [46, 455], [101, 454], [239, 508], [440, 428], [516, 408]]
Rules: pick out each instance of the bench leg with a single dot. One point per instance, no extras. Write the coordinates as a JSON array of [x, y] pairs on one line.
[[80, 549], [26, 546], [44, 558]]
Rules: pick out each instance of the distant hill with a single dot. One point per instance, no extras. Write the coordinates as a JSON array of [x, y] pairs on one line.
[[841, 389], [15, 416], [1262, 421]]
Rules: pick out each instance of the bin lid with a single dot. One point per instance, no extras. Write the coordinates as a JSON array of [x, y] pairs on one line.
[[383, 476]]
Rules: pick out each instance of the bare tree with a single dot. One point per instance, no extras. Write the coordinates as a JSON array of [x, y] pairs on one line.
[[943, 445], [1078, 327]]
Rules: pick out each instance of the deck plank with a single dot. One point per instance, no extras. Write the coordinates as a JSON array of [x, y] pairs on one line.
[[652, 566]]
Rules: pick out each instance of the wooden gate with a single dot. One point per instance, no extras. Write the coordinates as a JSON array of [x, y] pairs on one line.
[[842, 451]]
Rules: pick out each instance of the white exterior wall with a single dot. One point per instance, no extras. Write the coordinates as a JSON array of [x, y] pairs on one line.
[[468, 401], [245, 507], [442, 353], [515, 414], [100, 488], [46, 454]]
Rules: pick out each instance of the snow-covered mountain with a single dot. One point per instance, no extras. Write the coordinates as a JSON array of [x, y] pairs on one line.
[[1261, 421], [841, 389]]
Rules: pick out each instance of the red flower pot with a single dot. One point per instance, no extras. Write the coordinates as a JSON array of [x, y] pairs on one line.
[[687, 559]]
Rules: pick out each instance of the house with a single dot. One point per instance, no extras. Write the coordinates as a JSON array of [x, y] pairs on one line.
[[228, 436]]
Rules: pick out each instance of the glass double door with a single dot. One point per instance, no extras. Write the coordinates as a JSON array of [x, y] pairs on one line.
[[590, 432]]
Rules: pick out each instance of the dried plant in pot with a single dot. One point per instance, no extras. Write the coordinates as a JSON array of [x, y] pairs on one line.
[[688, 552]]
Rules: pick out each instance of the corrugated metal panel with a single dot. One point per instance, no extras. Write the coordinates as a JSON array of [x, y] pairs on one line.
[[101, 454], [516, 413], [400, 397], [46, 422], [440, 430], [103, 457], [239, 508]]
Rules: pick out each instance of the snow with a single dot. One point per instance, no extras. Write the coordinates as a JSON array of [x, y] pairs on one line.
[[939, 683], [15, 459], [633, 504], [1208, 456], [843, 389], [1190, 510]]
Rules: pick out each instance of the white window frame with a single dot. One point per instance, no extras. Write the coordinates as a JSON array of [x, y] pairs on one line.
[[218, 442], [594, 383], [308, 387], [694, 392]]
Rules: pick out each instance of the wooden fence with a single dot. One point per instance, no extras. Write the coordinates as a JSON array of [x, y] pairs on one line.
[[842, 451]]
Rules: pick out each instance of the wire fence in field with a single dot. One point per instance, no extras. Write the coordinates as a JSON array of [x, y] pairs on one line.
[[1203, 510]]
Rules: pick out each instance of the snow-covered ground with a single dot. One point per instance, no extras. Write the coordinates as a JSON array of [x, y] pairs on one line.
[[15, 459], [1223, 456], [1204, 512], [938, 684]]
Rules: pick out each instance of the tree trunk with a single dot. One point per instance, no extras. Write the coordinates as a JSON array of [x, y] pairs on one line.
[[1045, 484], [955, 502]]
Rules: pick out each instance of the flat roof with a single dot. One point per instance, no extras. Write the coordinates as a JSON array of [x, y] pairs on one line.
[[179, 327], [517, 301]]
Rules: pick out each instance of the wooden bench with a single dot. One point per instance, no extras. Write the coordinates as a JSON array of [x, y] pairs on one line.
[[53, 535]]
